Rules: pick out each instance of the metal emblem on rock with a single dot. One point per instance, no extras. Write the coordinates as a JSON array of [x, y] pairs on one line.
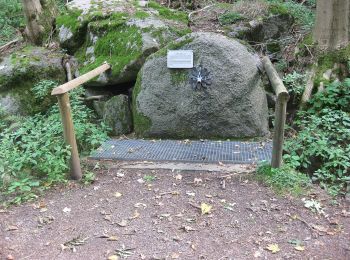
[[200, 78]]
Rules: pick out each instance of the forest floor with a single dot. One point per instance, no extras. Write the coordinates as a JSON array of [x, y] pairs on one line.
[[158, 214]]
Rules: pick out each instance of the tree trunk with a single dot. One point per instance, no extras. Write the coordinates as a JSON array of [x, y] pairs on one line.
[[40, 15], [332, 24]]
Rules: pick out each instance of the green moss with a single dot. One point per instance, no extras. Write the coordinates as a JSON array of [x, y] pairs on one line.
[[224, 5], [70, 20], [169, 13], [141, 122], [172, 46], [141, 15], [230, 18], [327, 60], [278, 8], [273, 47], [119, 46]]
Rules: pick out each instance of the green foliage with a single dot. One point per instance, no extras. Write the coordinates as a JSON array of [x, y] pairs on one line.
[[322, 145], [169, 13], [230, 18], [35, 152], [43, 89], [11, 18], [295, 84], [303, 14], [284, 180], [149, 178], [336, 96]]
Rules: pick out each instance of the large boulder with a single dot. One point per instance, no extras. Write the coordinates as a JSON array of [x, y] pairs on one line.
[[116, 114], [123, 33], [165, 104], [20, 71]]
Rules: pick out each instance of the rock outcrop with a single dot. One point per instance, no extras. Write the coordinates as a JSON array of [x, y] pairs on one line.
[[116, 114], [20, 71], [120, 32], [165, 104]]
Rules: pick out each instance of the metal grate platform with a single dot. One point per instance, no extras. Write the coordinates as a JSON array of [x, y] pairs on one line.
[[185, 151]]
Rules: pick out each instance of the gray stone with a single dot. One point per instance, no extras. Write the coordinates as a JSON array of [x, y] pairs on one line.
[[20, 71], [119, 32], [272, 27], [233, 106], [116, 114]]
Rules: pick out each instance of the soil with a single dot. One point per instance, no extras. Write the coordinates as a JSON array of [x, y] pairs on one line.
[[156, 214]]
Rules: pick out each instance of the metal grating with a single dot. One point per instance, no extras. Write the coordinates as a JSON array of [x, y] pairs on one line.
[[185, 151]]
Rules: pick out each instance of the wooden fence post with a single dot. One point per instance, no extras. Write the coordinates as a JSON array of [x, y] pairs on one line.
[[280, 112], [66, 113], [69, 135]]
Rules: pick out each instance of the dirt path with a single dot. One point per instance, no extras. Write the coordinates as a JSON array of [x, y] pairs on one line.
[[131, 214]]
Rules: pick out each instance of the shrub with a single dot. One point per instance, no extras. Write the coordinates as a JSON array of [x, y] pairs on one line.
[[35, 153], [322, 145], [11, 18], [303, 14], [295, 84]]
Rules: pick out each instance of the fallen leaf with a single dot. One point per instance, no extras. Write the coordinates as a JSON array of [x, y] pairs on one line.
[[188, 228], [178, 177], [139, 205], [66, 210], [299, 248], [189, 193], [123, 223], [257, 254], [118, 194], [205, 208], [112, 238], [113, 257], [11, 228], [175, 256], [273, 248], [197, 181], [107, 217], [136, 215], [140, 181]]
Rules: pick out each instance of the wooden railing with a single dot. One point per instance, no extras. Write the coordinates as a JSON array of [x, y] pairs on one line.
[[66, 114], [68, 127], [280, 112]]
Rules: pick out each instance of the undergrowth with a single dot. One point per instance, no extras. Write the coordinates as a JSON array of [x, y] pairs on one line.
[[284, 180], [11, 19], [33, 155], [321, 148]]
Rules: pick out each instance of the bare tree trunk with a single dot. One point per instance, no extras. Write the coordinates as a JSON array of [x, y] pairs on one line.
[[40, 15], [332, 24]]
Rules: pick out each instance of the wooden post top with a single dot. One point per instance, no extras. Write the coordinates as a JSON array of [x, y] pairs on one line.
[[80, 80], [275, 80]]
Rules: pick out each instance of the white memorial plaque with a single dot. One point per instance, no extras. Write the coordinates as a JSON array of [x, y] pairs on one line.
[[181, 59]]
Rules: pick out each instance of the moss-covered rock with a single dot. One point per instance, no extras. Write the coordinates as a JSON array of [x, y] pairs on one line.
[[119, 32], [116, 114], [20, 71]]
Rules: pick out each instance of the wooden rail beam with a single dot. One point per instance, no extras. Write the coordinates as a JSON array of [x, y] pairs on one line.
[[80, 80], [66, 113], [280, 112]]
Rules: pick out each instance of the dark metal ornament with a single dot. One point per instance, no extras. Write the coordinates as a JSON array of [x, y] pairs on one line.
[[200, 78]]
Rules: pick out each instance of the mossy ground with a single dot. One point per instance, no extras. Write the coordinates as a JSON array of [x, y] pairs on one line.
[[169, 13], [329, 59]]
